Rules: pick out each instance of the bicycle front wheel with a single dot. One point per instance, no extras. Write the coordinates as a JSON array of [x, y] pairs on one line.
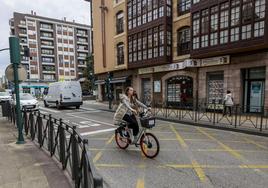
[[149, 145]]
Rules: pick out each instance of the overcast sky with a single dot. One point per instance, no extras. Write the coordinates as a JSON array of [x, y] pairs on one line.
[[77, 10]]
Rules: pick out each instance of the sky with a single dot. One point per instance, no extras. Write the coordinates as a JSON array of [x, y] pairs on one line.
[[77, 10]]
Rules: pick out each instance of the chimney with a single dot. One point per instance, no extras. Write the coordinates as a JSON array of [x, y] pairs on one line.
[[35, 13], [64, 19], [31, 12], [73, 21]]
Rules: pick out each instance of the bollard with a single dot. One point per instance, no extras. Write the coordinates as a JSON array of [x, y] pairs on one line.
[[50, 135], [75, 157], [40, 129], [62, 143]]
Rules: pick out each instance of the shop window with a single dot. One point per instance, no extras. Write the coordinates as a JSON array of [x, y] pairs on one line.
[[215, 88], [180, 91]]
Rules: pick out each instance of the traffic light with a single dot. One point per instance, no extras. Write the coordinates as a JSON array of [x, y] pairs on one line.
[[26, 51]]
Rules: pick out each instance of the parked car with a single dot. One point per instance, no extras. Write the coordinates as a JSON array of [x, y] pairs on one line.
[[86, 93], [5, 96], [27, 102], [63, 94]]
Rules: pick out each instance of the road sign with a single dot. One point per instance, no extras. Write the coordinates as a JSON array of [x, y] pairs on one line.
[[10, 73]]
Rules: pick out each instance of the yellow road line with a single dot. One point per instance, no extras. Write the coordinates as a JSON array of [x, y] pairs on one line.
[[178, 136], [255, 143], [97, 157], [110, 140], [99, 154], [140, 183], [254, 166], [227, 148], [199, 171]]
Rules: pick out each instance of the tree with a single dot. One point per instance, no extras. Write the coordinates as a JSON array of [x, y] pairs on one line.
[[89, 72]]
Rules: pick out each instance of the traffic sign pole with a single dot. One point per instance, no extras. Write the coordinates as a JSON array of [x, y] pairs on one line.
[[14, 46]]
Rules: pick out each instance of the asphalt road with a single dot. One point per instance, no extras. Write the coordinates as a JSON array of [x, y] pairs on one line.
[[189, 156]]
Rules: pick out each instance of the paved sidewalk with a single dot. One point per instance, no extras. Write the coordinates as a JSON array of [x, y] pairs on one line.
[[26, 166]]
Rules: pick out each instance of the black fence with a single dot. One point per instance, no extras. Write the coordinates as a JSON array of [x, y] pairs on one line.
[[63, 143], [248, 117]]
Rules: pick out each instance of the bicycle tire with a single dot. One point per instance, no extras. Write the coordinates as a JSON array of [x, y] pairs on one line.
[[117, 137], [142, 143]]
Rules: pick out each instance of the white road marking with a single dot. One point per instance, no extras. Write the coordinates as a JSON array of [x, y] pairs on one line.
[[83, 126], [96, 132], [109, 124], [83, 112], [49, 110]]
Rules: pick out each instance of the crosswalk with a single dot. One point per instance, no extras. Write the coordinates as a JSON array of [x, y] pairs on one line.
[[82, 120]]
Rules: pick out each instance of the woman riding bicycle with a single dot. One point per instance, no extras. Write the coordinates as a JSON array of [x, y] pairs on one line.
[[127, 110]]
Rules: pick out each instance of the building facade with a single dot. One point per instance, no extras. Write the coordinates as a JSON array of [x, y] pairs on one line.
[[184, 52], [58, 49]]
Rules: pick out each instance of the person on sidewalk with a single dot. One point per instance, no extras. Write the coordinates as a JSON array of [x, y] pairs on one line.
[[126, 111], [228, 103]]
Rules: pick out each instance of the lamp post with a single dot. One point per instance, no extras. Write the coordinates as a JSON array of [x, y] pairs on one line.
[[15, 60], [109, 89]]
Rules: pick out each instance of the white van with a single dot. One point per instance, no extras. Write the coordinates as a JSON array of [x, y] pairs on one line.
[[67, 93]]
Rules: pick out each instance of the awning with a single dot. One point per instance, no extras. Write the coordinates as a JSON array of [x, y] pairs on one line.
[[119, 80], [99, 82]]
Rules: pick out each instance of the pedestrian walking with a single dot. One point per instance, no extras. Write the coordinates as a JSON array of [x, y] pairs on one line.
[[228, 103]]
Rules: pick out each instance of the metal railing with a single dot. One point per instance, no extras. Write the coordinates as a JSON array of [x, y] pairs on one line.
[[247, 117], [63, 143]]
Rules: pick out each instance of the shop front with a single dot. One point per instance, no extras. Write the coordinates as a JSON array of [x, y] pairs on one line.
[[170, 85]]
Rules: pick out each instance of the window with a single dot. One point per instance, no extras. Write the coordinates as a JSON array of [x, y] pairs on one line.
[[47, 51], [139, 47], [224, 37], [183, 43], [235, 12], [130, 49], [195, 42], [204, 41], [120, 54], [247, 11], [224, 19], [150, 44], [204, 21], [259, 9], [246, 32], [120, 22], [155, 42], [184, 6], [215, 87], [259, 29], [214, 19], [161, 41], [144, 45], [234, 34], [213, 39], [196, 24]]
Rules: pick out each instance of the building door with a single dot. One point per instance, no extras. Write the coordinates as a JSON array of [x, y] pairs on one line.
[[254, 85], [256, 96], [146, 91]]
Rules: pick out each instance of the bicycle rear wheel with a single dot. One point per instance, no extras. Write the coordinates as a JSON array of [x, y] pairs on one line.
[[121, 142], [149, 145]]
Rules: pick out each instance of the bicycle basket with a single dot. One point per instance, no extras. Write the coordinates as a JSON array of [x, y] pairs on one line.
[[148, 122]]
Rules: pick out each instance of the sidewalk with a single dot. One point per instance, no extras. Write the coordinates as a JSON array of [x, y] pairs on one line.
[[26, 166]]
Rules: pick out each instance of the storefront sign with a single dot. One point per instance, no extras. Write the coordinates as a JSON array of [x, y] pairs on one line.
[[215, 61], [170, 67]]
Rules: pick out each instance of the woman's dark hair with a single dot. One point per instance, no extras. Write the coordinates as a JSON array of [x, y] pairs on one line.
[[228, 91], [135, 95], [126, 91]]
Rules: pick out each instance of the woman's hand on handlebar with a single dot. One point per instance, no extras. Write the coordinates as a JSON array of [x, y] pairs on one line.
[[134, 112]]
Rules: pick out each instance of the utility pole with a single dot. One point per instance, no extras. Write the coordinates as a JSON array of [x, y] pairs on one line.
[[109, 89], [14, 46]]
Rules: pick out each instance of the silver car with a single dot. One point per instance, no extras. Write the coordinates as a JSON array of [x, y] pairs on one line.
[[28, 102], [4, 97]]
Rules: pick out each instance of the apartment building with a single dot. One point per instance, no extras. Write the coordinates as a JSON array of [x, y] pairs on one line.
[[58, 49], [188, 51]]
